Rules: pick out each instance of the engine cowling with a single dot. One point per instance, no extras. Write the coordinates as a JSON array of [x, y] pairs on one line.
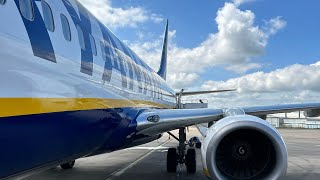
[[244, 147]]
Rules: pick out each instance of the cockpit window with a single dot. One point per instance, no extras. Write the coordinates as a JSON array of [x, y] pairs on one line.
[[26, 9]]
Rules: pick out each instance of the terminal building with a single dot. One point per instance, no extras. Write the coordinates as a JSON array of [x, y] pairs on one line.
[[283, 120], [293, 120]]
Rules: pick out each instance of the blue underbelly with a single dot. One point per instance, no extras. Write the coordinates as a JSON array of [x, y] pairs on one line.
[[31, 141]]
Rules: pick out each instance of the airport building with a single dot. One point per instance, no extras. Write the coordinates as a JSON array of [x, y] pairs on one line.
[[293, 120], [283, 120]]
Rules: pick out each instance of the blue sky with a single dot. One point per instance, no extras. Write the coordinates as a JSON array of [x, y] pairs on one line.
[[194, 21], [264, 48], [193, 25], [298, 42]]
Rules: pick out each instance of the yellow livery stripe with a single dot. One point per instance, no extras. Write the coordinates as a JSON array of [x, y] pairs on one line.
[[28, 106]]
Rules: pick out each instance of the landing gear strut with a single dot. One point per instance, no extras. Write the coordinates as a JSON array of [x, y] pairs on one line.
[[178, 156]]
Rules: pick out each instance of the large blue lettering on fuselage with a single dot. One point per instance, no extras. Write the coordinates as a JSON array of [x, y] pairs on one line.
[[116, 55], [38, 35], [130, 67], [84, 23], [138, 74], [110, 50]]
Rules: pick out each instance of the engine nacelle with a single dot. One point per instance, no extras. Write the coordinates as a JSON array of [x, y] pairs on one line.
[[244, 147]]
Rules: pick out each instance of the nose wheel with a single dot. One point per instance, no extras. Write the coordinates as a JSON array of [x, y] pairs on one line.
[[178, 156]]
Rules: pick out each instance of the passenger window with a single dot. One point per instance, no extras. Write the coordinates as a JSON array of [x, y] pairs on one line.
[[93, 45], [47, 16], [81, 38], [26, 9], [2, 1], [65, 27]]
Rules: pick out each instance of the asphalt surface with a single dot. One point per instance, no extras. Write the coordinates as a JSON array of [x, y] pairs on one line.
[[149, 161]]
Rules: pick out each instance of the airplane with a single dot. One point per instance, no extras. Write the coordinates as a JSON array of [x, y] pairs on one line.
[[71, 89]]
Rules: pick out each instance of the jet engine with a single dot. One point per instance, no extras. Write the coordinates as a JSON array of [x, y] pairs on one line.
[[243, 147]]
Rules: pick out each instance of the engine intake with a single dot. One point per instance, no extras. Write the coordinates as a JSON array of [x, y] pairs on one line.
[[244, 147], [245, 154]]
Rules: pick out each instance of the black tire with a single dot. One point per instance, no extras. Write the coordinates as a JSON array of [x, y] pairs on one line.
[[191, 162], [172, 160], [68, 165]]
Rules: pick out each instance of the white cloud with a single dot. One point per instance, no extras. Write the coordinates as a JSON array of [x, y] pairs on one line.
[[295, 83], [242, 68], [156, 18], [237, 41], [119, 17], [317, 63], [183, 80], [239, 2], [291, 78], [274, 25]]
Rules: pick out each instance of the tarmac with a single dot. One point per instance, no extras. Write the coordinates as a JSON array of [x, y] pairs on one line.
[[148, 162]]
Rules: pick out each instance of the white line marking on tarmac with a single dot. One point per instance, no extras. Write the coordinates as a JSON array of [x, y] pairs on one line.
[[148, 148], [122, 170]]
